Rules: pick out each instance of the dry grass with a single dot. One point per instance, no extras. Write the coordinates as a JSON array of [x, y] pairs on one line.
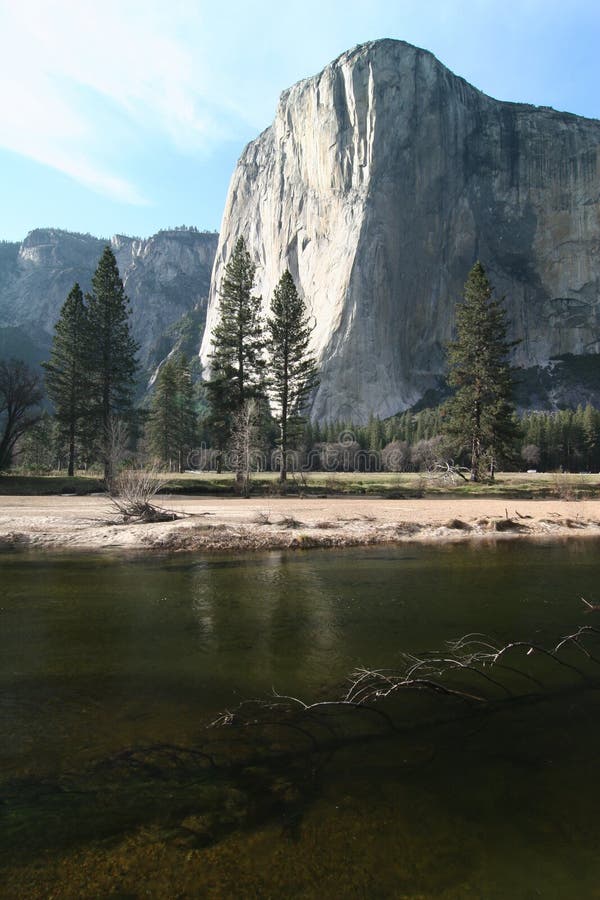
[[457, 525]]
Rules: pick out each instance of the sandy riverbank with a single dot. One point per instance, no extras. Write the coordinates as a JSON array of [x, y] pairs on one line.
[[91, 523]]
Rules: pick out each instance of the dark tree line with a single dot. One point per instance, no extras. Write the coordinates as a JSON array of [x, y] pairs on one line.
[[567, 439], [258, 387]]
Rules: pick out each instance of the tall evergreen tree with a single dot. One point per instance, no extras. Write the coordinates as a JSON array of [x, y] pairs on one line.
[[67, 381], [375, 434], [162, 423], [590, 428], [187, 430], [480, 415], [292, 368], [111, 352], [173, 420], [236, 362]]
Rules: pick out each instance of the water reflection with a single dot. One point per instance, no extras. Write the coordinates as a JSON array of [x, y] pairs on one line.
[[102, 652], [274, 625]]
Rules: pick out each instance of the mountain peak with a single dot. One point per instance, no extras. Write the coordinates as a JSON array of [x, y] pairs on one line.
[[379, 183]]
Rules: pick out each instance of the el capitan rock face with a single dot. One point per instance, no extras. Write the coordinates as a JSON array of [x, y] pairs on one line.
[[380, 182], [165, 276]]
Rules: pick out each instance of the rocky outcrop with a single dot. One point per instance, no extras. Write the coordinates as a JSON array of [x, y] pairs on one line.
[[380, 182], [166, 276]]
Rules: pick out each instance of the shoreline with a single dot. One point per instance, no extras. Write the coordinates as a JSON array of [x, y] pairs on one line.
[[212, 524]]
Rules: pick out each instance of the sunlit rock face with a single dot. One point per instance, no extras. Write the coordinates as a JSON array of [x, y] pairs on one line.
[[380, 182], [165, 276]]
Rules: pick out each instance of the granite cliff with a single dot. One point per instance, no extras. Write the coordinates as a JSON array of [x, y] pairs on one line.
[[166, 277], [379, 183]]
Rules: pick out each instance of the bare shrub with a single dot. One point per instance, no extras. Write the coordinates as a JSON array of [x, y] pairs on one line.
[[530, 454], [262, 518], [564, 487], [338, 456], [290, 522], [324, 526], [132, 490], [299, 479], [395, 457], [426, 453], [457, 525], [506, 525]]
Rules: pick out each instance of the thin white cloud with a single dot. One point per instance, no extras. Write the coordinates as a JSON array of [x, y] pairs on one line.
[[95, 88], [74, 70], [86, 86]]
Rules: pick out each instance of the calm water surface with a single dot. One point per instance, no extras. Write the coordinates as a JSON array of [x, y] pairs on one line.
[[98, 654]]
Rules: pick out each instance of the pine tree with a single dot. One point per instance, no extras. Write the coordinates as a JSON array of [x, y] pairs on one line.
[[375, 432], [590, 434], [162, 423], [43, 447], [67, 371], [111, 352], [292, 368], [172, 423], [236, 362], [187, 430], [480, 415]]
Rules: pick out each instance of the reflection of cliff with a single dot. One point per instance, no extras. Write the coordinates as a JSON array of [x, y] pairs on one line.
[[379, 183]]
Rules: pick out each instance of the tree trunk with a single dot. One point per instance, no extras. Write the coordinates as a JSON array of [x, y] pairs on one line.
[[284, 431], [5, 451], [283, 465], [71, 470]]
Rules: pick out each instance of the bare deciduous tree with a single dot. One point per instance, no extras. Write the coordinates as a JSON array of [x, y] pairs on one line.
[[396, 456], [530, 454], [115, 441], [245, 443], [20, 397], [425, 454]]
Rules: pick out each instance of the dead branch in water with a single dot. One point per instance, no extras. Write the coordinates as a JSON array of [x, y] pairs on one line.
[[474, 670], [591, 607]]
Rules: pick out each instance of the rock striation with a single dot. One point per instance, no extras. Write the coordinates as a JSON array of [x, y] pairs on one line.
[[166, 276], [379, 183]]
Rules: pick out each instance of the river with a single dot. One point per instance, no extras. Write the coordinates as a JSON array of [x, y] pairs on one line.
[[106, 656]]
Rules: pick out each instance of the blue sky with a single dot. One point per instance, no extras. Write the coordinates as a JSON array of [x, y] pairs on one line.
[[129, 115]]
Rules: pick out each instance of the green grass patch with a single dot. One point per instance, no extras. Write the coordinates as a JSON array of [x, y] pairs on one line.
[[391, 486], [387, 485], [48, 485]]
